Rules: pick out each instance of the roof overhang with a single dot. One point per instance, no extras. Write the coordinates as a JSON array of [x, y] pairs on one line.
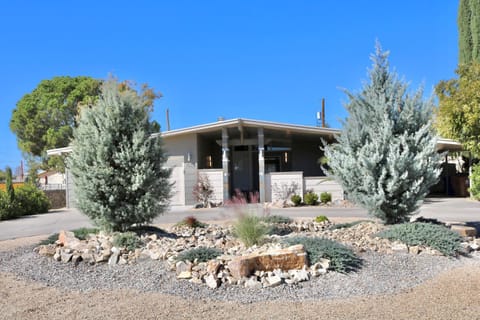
[[448, 145]]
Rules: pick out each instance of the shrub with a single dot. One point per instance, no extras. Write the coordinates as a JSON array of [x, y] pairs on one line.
[[321, 219], [276, 219], [191, 222], [203, 191], [475, 180], [250, 229], [425, 234], [342, 259], [30, 200], [346, 225], [128, 240], [325, 197], [82, 233], [202, 254], [50, 240], [310, 198], [296, 199]]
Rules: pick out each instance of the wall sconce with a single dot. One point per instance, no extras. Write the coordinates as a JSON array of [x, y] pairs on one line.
[[260, 154], [285, 157], [209, 162]]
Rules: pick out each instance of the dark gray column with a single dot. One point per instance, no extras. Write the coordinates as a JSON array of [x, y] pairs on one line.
[[225, 160], [261, 165]]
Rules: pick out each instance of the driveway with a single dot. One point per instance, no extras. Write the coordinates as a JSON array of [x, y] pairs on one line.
[[444, 209]]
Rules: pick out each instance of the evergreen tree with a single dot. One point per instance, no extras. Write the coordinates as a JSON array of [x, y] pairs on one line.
[[117, 166], [9, 185], [469, 31], [385, 157]]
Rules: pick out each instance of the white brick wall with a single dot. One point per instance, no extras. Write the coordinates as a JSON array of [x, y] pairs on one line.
[[323, 184], [215, 176], [277, 184]]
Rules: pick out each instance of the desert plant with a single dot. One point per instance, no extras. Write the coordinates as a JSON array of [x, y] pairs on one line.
[[434, 236], [385, 158], [250, 229], [82, 233], [284, 191], [342, 259], [117, 164], [325, 197], [310, 198], [201, 254], [128, 240], [276, 219], [320, 219], [191, 222], [296, 199], [203, 191]]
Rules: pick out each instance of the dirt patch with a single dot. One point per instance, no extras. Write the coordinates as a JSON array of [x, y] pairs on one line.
[[449, 296]]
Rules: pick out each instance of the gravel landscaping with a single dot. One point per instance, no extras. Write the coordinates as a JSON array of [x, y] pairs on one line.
[[381, 273]]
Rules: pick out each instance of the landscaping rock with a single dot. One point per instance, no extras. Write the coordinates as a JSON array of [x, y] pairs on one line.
[[414, 250], [47, 250], [293, 257], [464, 231], [253, 283], [184, 275], [272, 281], [211, 281]]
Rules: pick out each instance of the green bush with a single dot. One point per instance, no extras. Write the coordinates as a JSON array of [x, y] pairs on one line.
[[50, 240], [276, 219], [296, 199], [320, 219], [202, 254], [475, 180], [30, 200], [347, 225], [425, 234], [310, 198], [250, 229], [342, 259], [82, 233], [191, 222], [325, 197], [128, 240]]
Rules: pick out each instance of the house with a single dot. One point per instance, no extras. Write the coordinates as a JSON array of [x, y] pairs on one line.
[[271, 158], [51, 180]]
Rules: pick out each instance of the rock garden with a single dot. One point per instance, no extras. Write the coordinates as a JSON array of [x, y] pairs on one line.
[[260, 252]]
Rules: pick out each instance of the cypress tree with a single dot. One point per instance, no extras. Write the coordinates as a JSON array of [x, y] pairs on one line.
[[117, 166], [469, 31], [385, 156], [9, 185]]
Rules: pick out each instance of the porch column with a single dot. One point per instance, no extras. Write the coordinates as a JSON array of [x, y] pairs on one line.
[[261, 165], [225, 160]]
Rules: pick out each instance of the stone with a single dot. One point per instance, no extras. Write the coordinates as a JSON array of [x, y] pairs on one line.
[[184, 275], [464, 231], [253, 283], [300, 275], [318, 272], [213, 266], [293, 257], [324, 263], [475, 246], [399, 247], [272, 281], [182, 266], [57, 256], [66, 257], [414, 250], [113, 260], [76, 259], [47, 250], [211, 281], [196, 280]]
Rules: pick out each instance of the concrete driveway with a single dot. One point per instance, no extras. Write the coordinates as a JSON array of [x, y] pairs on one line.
[[444, 209]]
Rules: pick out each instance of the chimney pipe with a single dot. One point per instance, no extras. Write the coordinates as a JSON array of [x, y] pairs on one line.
[[323, 112]]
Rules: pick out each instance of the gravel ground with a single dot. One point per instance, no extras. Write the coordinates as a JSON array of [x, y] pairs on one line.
[[380, 274]]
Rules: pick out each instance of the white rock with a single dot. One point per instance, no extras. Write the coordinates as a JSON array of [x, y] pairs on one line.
[[253, 283], [272, 281], [184, 275], [300, 275], [211, 281]]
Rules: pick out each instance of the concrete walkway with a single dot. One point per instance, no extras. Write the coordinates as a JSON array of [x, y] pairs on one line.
[[444, 209]]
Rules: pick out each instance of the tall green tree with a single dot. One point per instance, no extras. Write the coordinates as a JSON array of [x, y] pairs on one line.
[[385, 157], [9, 185], [45, 118], [458, 114], [469, 31], [118, 167]]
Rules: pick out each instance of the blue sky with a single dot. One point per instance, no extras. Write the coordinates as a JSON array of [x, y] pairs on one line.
[[266, 60]]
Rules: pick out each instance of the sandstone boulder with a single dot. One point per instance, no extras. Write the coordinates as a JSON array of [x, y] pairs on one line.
[[293, 257], [464, 231]]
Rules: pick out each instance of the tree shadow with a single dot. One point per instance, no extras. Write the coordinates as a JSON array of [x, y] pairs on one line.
[[149, 230]]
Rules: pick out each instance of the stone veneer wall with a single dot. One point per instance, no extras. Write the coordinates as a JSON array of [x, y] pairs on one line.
[[57, 198]]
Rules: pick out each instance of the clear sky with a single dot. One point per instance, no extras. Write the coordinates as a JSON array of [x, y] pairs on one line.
[[265, 60]]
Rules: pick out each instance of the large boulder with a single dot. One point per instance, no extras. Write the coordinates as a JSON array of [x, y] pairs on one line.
[[293, 257]]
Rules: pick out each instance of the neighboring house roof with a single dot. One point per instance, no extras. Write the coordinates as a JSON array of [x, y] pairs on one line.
[[442, 144], [47, 173]]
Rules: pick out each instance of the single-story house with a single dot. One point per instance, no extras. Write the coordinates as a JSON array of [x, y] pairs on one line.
[[271, 158], [51, 180]]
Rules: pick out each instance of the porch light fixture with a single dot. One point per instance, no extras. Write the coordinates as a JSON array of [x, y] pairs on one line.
[[189, 157], [285, 156], [209, 162]]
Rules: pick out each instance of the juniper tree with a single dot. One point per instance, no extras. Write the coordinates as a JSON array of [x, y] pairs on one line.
[[385, 156], [117, 166]]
